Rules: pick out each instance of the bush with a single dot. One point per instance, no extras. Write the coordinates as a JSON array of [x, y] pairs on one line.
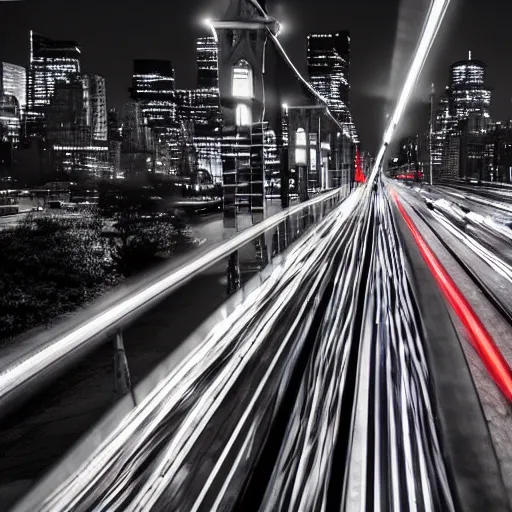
[[144, 226], [50, 266]]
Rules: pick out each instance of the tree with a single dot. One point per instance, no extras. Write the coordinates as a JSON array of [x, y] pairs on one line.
[[50, 266], [144, 226]]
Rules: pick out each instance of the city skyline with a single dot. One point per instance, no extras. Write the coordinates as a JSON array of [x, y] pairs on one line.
[[222, 289], [120, 36]]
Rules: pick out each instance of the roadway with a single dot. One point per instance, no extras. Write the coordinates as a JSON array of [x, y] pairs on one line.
[[314, 393], [468, 229]]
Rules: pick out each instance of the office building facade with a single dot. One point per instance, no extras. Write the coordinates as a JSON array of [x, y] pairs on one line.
[[461, 121], [207, 63], [51, 61], [76, 127], [96, 105], [13, 82], [329, 70], [208, 122], [153, 88], [471, 97]]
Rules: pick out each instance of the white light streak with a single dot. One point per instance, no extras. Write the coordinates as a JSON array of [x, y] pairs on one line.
[[434, 20]]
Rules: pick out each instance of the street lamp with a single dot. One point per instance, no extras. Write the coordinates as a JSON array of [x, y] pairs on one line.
[[301, 161]]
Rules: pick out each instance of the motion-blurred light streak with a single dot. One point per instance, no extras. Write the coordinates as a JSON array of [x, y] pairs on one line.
[[482, 341], [431, 27], [110, 479]]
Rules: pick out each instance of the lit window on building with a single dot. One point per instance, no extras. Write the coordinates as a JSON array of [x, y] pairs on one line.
[[300, 138], [242, 80], [243, 115], [300, 147]]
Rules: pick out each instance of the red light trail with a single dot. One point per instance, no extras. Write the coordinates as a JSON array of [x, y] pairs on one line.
[[480, 338]]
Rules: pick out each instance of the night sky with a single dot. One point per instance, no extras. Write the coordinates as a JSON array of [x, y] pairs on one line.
[[114, 32]]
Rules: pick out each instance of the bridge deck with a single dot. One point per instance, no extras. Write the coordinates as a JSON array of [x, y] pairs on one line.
[[83, 395], [38, 434]]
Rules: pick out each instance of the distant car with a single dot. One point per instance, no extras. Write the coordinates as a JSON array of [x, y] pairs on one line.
[[37, 208]]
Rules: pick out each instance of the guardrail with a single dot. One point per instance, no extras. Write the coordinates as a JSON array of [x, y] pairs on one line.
[[42, 358]]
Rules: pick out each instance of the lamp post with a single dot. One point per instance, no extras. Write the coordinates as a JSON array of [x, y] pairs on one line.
[[301, 161]]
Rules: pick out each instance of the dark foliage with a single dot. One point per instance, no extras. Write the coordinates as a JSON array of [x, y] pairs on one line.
[[143, 225], [50, 266]]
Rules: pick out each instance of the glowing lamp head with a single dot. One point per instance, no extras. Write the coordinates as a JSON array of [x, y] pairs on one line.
[[209, 24]]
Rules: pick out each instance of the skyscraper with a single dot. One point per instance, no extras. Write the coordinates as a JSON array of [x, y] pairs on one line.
[[443, 127], [13, 100], [76, 126], [96, 105], [138, 144], [471, 98], [50, 61], [153, 89], [207, 63], [462, 118], [65, 123], [10, 116], [13, 82], [329, 70], [202, 107]]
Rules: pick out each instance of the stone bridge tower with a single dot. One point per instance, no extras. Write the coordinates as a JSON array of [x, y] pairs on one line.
[[242, 37]]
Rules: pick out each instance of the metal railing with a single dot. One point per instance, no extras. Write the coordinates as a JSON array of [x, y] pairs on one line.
[[43, 357]]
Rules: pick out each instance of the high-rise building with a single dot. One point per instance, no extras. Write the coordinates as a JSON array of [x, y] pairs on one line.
[[443, 125], [461, 121], [76, 128], [471, 97], [77, 112], [207, 63], [207, 138], [96, 105], [50, 61], [207, 98], [114, 125], [498, 152], [65, 122], [13, 101], [13, 82], [329, 70], [138, 141], [10, 119], [153, 89], [201, 108], [137, 136]]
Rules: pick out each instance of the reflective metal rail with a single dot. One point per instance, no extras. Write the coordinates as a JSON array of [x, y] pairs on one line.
[[50, 353]]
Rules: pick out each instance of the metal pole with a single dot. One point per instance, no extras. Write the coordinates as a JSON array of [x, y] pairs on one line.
[[319, 173], [122, 381], [432, 98]]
